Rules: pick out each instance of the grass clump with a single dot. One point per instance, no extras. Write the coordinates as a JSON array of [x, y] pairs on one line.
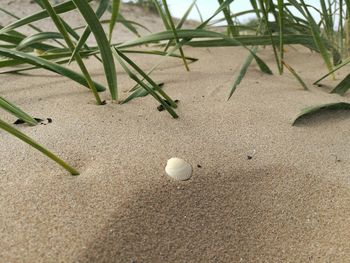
[[274, 24]]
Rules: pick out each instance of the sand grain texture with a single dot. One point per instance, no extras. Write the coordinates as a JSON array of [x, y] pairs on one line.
[[289, 203]]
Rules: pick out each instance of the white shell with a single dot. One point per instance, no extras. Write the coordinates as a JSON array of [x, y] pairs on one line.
[[178, 169]]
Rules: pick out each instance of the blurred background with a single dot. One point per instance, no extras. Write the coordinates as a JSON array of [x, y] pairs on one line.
[[206, 8]]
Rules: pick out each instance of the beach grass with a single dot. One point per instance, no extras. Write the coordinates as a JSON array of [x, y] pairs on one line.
[[275, 25]]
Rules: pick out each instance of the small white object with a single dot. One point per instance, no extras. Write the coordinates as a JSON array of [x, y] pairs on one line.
[[178, 169]]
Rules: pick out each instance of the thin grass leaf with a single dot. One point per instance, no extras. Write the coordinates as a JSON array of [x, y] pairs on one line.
[[266, 20], [82, 40], [30, 25], [38, 38], [83, 54], [115, 12], [141, 92], [66, 26], [343, 86], [145, 86], [296, 75], [17, 40], [235, 15], [159, 53], [146, 77], [231, 26], [47, 56], [188, 35], [241, 73], [317, 109], [103, 44], [181, 22], [199, 13], [122, 20], [344, 63], [185, 15], [315, 32], [224, 5], [62, 29], [162, 15], [46, 64], [31, 142], [61, 8], [281, 30], [14, 110], [219, 39], [304, 40], [129, 25], [170, 20]]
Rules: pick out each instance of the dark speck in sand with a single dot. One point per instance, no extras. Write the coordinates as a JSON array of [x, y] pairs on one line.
[[41, 121], [249, 157], [19, 121], [199, 166]]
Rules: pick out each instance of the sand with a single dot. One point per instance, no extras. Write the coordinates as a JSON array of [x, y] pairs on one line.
[[289, 203]]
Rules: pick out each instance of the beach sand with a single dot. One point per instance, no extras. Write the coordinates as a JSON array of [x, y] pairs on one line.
[[289, 203]]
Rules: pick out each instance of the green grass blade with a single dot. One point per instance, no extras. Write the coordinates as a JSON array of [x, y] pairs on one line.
[[61, 8], [219, 39], [146, 77], [170, 20], [185, 15], [344, 63], [188, 35], [158, 53], [16, 40], [281, 30], [317, 109], [145, 86], [31, 142], [115, 12], [121, 19], [14, 110], [315, 33], [47, 56], [343, 86], [30, 25], [224, 5], [140, 92], [199, 13], [296, 75], [82, 40], [304, 40], [62, 29], [266, 20], [241, 73], [37, 38], [130, 25], [46, 64], [103, 44], [231, 26], [162, 15], [181, 22]]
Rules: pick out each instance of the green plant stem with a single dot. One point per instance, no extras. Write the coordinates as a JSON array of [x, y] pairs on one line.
[[175, 33], [31, 142], [56, 19]]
